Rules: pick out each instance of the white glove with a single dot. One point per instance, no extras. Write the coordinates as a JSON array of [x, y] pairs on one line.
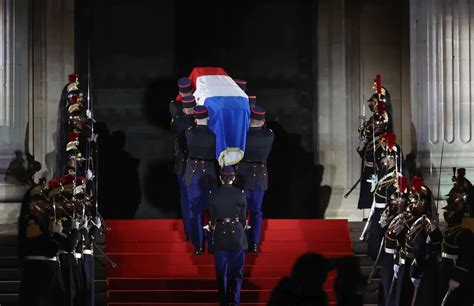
[[56, 227], [395, 270], [373, 182], [361, 145], [207, 228], [89, 175], [85, 223], [97, 222], [453, 284], [416, 281], [74, 224]]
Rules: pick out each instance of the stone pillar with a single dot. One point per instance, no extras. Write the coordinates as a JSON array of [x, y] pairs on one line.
[[39, 44], [442, 72], [13, 105], [52, 48]]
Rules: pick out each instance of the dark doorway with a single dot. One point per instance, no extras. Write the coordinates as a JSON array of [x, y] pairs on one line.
[[139, 48]]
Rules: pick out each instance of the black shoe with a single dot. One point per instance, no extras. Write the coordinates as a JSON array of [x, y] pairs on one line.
[[254, 248], [198, 251]]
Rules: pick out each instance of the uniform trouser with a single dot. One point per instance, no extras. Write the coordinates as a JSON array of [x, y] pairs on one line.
[[386, 277], [41, 284], [365, 195], [229, 273], [404, 292], [428, 291], [185, 210], [460, 296], [89, 275], [254, 204], [70, 275], [375, 232], [198, 203]]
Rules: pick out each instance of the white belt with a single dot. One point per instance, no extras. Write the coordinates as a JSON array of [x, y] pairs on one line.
[[61, 252], [380, 205], [449, 256], [87, 252], [369, 164], [390, 251], [42, 258], [78, 255]]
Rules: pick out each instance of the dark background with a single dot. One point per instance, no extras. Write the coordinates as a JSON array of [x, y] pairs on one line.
[[139, 48]]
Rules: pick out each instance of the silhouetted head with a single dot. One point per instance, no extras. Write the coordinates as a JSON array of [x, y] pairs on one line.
[[310, 272]]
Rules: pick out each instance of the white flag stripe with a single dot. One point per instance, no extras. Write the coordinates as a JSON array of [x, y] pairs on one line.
[[216, 86]]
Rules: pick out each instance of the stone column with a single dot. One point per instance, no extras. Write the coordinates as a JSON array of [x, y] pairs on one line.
[[38, 53], [13, 105], [442, 72]]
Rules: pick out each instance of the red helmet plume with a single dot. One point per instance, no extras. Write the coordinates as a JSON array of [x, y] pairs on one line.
[[417, 182], [390, 139], [402, 183], [378, 83]]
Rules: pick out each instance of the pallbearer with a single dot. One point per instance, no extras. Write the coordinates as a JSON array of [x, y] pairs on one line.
[[252, 174], [200, 175]]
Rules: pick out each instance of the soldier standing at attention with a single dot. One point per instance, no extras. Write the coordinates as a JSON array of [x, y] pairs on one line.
[[200, 175], [227, 212], [252, 175]]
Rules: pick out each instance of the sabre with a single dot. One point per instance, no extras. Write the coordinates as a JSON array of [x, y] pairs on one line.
[[54, 209], [352, 188], [392, 284], [374, 267], [112, 263], [372, 210], [413, 300], [446, 297], [439, 178]]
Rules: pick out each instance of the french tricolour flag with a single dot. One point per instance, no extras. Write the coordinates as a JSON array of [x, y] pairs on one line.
[[229, 111]]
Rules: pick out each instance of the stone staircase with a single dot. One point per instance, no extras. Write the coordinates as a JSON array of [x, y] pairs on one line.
[[10, 269], [366, 263]]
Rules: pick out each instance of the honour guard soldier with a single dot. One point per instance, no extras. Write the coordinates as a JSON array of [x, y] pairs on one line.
[[180, 125], [252, 174], [385, 187], [463, 185], [227, 213], [41, 282], [457, 258], [185, 89], [200, 174], [393, 211]]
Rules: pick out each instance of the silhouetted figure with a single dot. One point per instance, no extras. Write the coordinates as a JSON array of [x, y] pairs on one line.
[[305, 285], [119, 182], [350, 284], [16, 171]]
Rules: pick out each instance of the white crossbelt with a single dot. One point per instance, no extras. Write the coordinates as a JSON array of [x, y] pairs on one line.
[[380, 205], [46, 258], [87, 252]]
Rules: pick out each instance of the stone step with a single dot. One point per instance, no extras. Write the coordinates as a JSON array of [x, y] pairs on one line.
[[12, 274], [13, 286], [11, 299]]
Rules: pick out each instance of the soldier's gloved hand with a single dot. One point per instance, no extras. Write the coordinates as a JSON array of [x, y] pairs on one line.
[[85, 223], [416, 281], [373, 182], [97, 222], [361, 145], [395, 270], [56, 227], [74, 224], [453, 284]]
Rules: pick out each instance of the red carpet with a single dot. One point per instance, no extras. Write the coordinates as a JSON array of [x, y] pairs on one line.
[[156, 267]]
